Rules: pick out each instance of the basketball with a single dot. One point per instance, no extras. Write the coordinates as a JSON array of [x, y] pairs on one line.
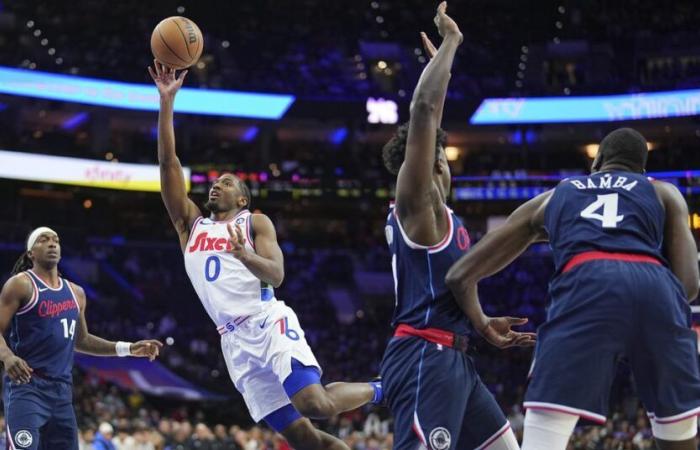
[[177, 42]]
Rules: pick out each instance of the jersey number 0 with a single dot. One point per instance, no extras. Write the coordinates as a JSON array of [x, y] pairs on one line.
[[212, 268]]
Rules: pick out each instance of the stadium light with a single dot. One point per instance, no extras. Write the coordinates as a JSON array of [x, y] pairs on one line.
[[603, 108], [92, 91]]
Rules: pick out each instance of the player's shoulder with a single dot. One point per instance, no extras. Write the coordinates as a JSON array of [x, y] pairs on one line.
[[260, 219], [76, 288], [664, 186], [19, 285], [19, 280], [669, 195]]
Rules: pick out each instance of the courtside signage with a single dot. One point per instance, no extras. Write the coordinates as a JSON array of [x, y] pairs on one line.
[[92, 91], [82, 172], [604, 108]]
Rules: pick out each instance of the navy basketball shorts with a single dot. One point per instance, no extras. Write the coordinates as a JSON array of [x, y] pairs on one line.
[[601, 312], [437, 398], [40, 415]]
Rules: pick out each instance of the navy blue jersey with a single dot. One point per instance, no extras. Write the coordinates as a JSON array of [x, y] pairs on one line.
[[423, 300], [42, 332], [611, 211]]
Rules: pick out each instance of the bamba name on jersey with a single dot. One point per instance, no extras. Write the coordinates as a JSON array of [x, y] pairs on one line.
[[607, 181]]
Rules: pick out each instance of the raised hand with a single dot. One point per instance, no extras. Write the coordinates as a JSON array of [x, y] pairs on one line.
[[146, 349], [497, 330], [237, 242], [430, 49], [445, 25], [18, 370], [166, 80]]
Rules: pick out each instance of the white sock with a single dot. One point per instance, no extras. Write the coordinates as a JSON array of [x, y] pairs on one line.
[[675, 431], [548, 430], [506, 441]]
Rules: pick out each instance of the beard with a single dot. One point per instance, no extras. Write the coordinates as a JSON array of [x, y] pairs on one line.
[[213, 206]]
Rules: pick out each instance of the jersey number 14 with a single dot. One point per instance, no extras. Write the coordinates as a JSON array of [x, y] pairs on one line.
[[608, 203], [68, 331]]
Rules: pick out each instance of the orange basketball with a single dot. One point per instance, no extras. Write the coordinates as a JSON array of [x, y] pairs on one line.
[[177, 42]]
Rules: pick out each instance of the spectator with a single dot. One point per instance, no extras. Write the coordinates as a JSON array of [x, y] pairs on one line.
[[103, 438]]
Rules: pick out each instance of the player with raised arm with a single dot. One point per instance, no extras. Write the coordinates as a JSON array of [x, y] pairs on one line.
[[234, 263], [45, 315], [431, 385], [626, 266]]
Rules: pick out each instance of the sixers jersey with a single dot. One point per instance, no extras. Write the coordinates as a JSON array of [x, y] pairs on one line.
[[227, 289], [423, 300], [610, 211], [43, 331]]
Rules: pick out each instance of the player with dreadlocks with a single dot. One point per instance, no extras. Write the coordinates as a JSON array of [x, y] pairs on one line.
[[45, 315]]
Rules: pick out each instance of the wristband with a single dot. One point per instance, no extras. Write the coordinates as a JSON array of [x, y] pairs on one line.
[[123, 349]]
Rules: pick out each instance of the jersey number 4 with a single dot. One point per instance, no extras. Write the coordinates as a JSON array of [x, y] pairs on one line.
[[68, 331], [608, 203]]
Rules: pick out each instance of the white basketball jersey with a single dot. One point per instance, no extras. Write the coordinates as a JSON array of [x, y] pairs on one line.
[[227, 289]]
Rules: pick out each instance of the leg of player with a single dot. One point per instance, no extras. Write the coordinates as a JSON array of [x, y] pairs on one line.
[[299, 431], [506, 441], [547, 429], [676, 435], [319, 402], [302, 435], [309, 397]]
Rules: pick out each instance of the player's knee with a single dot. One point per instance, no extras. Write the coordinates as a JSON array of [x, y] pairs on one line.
[[682, 430]]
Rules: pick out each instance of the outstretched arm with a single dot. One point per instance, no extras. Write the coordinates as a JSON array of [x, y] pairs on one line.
[[181, 209], [267, 263], [414, 185], [679, 245], [494, 252], [16, 291], [94, 345]]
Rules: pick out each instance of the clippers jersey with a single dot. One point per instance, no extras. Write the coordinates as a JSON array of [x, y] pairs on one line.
[[611, 212], [227, 289], [423, 300], [43, 331]]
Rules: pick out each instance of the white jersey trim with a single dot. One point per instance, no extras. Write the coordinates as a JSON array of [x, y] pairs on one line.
[[249, 230], [194, 226], [33, 301], [60, 282], [431, 248], [75, 297]]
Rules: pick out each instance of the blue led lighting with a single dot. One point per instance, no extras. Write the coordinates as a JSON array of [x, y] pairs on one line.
[[75, 121], [144, 97], [339, 135], [250, 134], [603, 108]]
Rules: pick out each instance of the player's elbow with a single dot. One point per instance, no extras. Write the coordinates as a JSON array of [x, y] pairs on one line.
[[457, 278], [80, 343], [278, 278], [422, 107]]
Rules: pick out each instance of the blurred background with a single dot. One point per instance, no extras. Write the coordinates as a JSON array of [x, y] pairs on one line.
[[536, 84]]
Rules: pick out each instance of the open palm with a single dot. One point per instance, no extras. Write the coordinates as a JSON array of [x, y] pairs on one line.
[[166, 80], [498, 332]]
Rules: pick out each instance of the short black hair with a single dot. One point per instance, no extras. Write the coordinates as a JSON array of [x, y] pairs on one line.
[[626, 147], [394, 152], [245, 190]]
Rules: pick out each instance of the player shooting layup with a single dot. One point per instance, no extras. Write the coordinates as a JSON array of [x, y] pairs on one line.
[[234, 262]]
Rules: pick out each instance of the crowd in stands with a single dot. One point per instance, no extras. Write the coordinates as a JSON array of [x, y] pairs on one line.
[[327, 50]]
